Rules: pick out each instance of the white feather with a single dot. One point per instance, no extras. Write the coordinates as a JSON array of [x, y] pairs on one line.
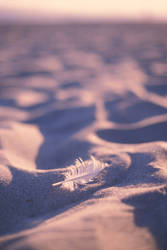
[[81, 173]]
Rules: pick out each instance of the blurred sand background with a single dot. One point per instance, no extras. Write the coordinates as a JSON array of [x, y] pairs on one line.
[[75, 90]]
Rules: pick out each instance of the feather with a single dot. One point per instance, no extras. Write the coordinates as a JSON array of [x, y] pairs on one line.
[[81, 173]]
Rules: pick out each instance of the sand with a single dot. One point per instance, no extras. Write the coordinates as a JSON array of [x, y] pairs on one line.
[[76, 91]]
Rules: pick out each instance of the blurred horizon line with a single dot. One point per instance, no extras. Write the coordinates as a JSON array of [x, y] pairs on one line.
[[10, 16]]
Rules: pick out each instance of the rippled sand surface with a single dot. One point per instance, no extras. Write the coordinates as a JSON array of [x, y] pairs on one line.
[[69, 92]]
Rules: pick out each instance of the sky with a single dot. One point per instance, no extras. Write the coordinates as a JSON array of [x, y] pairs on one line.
[[85, 8]]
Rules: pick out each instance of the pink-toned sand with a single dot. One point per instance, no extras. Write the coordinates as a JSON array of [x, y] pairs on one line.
[[69, 92]]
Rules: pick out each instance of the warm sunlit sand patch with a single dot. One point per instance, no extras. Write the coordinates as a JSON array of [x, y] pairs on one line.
[[24, 97], [160, 69], [40, 82], [30, 98], [51, 63], [21, 144]]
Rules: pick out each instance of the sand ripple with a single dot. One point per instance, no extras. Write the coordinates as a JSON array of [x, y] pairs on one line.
[[74, 91]]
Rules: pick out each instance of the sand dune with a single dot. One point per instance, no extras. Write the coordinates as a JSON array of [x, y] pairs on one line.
[[69, 92]]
